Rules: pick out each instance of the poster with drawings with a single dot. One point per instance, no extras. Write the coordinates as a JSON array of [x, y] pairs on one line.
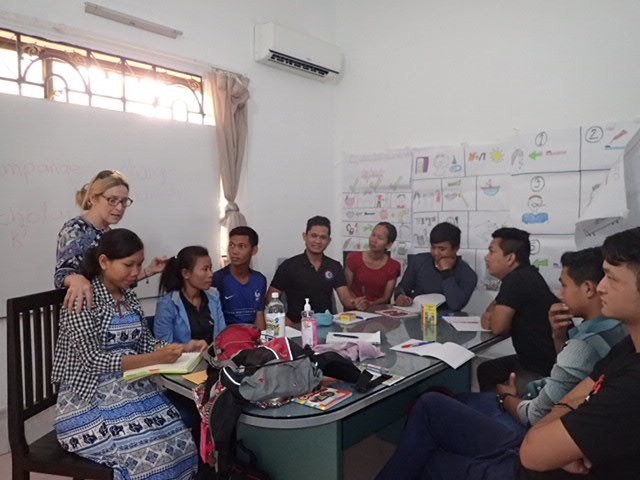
[[483, 224], [486, 281], [548, 151], [545, 203], [602, 144], [546, 251], [387, 172], [426, 195], [488, 159], [437, 162], [459, 193], [493, 192], [423, 222], [590, 184]]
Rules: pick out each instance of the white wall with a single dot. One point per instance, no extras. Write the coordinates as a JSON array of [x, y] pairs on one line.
[[290, 145], [427, 72]]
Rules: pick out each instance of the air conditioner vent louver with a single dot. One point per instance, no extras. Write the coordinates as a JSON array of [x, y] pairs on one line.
[[299, 64], [296, 52]]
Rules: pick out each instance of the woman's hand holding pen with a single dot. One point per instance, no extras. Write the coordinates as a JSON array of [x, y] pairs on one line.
[[361, 303]]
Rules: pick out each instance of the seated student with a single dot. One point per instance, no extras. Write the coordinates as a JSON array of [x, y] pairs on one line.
[[242, 290], [313, 275], [590, 434], [373, 273], [130, 427], [584, 345], [189, 308], [521, 309], [441, 271]]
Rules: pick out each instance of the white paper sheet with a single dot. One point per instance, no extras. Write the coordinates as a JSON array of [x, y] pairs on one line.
[[466, 324], [452, 354]]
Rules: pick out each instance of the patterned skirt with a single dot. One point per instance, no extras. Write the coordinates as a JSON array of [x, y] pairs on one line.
[[131, 427]]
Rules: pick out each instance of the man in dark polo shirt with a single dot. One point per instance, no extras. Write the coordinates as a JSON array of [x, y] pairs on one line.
[[520, 309], [312, 274]]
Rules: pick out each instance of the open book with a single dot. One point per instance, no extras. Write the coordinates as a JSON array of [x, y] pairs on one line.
[[185, 364], [451, 353]]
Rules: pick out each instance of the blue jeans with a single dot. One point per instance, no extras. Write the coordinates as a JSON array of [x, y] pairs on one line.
[[446, 439], [486, 403]]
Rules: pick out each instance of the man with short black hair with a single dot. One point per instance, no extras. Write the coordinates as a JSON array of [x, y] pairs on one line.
[[520, 309], [312, 274], [441, 271], [242, 289]]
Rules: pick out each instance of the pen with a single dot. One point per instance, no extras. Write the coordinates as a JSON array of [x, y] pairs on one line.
[[345, 335], [418, 344]]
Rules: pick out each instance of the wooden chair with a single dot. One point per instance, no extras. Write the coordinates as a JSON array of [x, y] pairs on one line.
[[32, 330]]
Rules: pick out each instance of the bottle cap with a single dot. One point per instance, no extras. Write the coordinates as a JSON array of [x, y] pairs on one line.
[[275, 295], [307, 307]]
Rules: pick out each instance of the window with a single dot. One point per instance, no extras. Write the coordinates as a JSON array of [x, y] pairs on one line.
[[35, 67]]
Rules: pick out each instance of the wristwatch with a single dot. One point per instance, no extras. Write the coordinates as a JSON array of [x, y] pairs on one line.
[[500, 399]]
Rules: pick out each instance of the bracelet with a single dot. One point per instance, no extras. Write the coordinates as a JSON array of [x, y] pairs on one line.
[[500, 399], [565, 405]]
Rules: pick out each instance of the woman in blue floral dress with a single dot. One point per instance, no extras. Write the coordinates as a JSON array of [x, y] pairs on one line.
[[104, 199], [131, 427]]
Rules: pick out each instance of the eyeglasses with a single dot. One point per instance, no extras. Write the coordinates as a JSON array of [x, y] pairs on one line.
[[114, 201]]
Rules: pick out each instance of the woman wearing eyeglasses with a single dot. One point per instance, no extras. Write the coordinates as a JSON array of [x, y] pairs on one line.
[[104, 199]]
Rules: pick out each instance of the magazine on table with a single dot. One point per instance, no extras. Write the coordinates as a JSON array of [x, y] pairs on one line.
[[323, 398]]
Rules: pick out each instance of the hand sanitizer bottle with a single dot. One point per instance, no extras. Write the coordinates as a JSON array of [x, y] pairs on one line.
[[309, 326]]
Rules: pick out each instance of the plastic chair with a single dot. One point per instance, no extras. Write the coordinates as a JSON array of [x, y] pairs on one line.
[[32, 330]]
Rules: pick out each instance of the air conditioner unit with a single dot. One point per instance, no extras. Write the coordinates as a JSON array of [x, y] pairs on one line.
[[296, 52]]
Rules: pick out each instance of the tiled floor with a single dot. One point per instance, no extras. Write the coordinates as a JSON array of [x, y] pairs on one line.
[[362, 461]]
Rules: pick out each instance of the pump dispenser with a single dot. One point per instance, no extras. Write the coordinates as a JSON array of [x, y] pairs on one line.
[[309, 326]]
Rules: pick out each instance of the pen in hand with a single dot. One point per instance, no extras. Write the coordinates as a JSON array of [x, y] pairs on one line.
[[417, 344]]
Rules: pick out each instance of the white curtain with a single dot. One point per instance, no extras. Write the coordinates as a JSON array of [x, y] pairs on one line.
[[230, 95]]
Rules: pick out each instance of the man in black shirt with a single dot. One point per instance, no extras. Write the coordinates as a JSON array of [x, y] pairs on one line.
[[312, 274], [595, 429], [520, 309]]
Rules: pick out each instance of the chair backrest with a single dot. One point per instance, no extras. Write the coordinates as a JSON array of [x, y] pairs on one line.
[[32, 330]]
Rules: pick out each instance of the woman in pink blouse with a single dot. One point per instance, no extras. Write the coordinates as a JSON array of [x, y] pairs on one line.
[[372, 275]]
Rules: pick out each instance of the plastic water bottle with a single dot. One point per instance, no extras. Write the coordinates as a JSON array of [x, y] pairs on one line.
[[309, 326], [275, 317]]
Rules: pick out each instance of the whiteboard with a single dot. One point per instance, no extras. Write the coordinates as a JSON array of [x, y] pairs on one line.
[[49, 150]]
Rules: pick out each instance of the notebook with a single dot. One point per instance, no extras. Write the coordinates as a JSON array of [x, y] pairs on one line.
[[185, 364]]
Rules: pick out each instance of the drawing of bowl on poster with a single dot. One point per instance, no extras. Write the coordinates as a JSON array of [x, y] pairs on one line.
[[489, 189]]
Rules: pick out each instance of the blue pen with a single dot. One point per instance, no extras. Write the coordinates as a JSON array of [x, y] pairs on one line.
[[419, 344]]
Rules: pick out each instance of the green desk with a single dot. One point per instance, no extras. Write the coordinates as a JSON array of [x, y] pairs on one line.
[[294, 438]]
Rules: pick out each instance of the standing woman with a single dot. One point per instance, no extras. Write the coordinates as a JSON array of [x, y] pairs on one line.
[[189, 308], [105, 199], [372, 275], [131, 427]]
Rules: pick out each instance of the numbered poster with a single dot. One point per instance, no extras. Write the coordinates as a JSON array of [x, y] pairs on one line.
[[493, 192], [438, 162], [489, 159], [603, 144], [545, 203], [548, 151], [546, 251], [459, 193]]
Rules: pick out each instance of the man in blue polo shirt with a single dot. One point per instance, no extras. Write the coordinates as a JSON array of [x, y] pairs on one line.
[[312, 274], [242, 290]]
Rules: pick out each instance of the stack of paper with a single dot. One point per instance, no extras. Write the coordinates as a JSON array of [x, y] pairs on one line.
[[428, 298], [451, 353], [185, 364]]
